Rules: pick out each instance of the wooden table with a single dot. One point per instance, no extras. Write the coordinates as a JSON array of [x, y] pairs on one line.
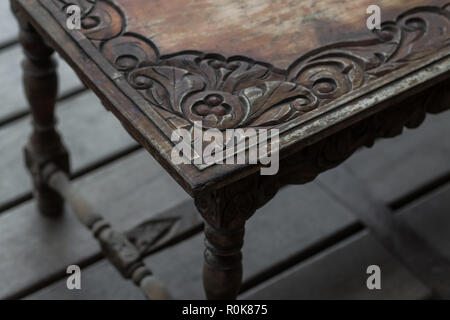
[[310, 69]]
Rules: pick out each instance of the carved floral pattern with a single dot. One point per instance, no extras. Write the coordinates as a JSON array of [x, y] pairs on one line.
[[230, 206], [239, 92]]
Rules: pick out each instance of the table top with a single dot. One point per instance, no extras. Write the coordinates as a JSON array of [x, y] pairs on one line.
[[307, 68]]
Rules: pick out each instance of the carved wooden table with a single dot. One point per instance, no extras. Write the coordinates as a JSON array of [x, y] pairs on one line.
[[310, 69]]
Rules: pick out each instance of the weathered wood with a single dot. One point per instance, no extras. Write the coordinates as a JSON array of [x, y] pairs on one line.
[[339, 272], [179, 267], [315, 279], [315, 108], [11, 91], [415, 252], [237, 202], [304, 222], [166, 228], [8, 25], [36, 249], [225, 212], [393, 169], [274, 31], [90, 132], [301, 229], [336, 273], [222, 267], [99, 281], [45, 144], [123, 254], [327, 104]]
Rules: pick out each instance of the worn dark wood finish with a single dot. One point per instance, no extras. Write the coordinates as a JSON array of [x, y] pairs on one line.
[[321, 82], [222, 269], [244, 197], [326, 103], [14, 104], [64, 241], [232, 205], [118, 249], [45, 145], [225, 212], [273, 31]]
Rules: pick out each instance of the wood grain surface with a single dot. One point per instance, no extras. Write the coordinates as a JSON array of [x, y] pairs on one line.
[[122, 56], [274, 31]]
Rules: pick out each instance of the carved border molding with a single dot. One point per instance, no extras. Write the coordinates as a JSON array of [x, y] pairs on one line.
[[237, 92], [231, 206]]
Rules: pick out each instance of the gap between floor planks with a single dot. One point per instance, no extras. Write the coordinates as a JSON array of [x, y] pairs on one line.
[[339, 272], [70, 84], [291, 230]]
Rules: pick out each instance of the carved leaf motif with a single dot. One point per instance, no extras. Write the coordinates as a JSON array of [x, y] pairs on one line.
[[423, 33], [332, 74], [245, 74], [273, 116], [99, 20], [275, 101], [238, 92], [129, 52], [335, 70], [166, 87], [221, 74]]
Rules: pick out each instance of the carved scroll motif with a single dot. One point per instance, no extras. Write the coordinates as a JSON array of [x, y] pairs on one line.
[[232, 205], [239, 92]]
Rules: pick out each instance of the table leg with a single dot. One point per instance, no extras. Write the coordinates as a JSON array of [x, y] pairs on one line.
[[44, 145], [222, 268], [225, 212]]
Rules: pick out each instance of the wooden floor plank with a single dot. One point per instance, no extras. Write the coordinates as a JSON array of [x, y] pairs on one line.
[[336, 273], [13, 98], [8, 24], [179, 267], [98, 281], [36, 248], [405, 244], [287, 237], [396, 167], [88, 130], [340, 272], [33, 248], [303, 220]]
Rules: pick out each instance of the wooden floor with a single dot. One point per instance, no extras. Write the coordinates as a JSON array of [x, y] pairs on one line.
[[313, 248]]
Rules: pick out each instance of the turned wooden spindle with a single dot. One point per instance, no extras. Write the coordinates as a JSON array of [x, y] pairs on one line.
[[225, 212], [222, 268], [44, 145]]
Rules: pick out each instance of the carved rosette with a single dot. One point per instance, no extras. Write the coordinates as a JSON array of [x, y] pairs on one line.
[[222, 94], [238, 92]]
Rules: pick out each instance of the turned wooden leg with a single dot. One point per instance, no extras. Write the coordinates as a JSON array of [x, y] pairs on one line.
[[44, 145], [225, 212], [222, 269]]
